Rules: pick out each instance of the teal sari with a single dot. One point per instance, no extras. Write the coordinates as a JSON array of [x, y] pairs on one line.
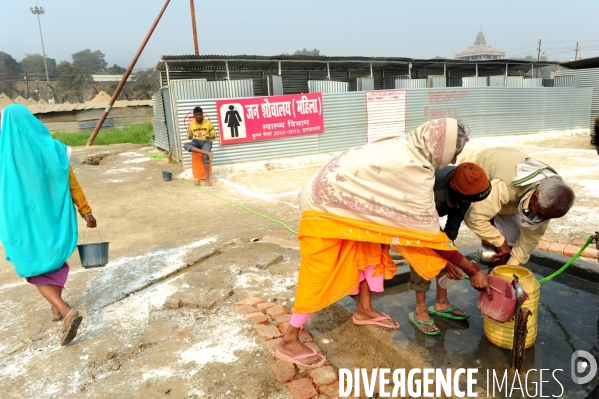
[[38, 221]]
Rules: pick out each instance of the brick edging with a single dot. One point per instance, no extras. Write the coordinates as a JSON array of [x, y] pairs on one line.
[[565, 249], [270, 321]]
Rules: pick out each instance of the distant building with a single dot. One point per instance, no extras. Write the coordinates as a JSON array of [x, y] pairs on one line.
[[480, 50]]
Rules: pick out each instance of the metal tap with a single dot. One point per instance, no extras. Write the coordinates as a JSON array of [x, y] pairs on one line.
[[519, 298]]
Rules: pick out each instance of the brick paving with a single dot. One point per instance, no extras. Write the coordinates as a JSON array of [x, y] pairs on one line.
[[302, 382]]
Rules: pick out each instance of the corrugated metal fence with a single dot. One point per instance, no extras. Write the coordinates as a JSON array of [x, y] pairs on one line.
[[327, 86], [486, 110], [159, 123], [585, 78]]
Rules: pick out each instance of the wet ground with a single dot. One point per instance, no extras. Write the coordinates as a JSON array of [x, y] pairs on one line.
[[568, 321]]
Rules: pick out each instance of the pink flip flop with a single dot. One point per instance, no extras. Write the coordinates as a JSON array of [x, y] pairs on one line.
[[376, 322], [295, 359]]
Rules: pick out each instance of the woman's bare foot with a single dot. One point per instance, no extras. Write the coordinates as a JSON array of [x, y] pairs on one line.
[[371, 313], [56, 314], [208, 183], [422, 315]]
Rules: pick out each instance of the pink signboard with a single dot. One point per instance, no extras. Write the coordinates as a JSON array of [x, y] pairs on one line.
[[267, 118]]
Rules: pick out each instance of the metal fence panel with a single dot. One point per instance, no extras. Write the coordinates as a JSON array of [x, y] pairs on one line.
[[159, 123], [534, 82], [402, 83], [326, 86], [586, 78], [498, 80], [514, 81], [344, 121], [565, 81], [474, 81], [503, 110], [189, 89], [229, 89]]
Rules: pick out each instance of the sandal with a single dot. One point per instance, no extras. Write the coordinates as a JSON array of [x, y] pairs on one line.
[[419, 323], [57, 317], [296, 359], [447, 313], [377, 322], [69, 332]]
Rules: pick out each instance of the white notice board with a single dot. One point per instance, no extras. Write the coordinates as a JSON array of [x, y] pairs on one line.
[[385, 113]]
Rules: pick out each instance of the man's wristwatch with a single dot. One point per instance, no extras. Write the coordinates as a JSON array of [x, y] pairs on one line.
[[84, 215]]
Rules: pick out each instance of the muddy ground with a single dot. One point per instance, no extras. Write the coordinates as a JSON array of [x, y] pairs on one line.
[[158, 319]]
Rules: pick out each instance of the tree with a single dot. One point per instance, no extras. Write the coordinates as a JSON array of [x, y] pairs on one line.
[[9, 73], [146, 83], [63, 66], [74, 82], [34, 63], [314, 53], [90, 61], [116, 70]]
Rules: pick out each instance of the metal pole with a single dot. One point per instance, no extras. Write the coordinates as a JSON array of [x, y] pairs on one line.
[[279, 68], [371, 75], [27, 83], [125, 77], [193, 27], [410, 70], [505, 80], [328, 72], [576, 52], [476, 68], [37, 11], [444, 69], [538, 57]]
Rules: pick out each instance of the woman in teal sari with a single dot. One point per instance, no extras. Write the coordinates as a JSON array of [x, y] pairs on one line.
[[38, 223]]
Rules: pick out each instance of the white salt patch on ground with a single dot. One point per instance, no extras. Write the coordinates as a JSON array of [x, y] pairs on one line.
[[591, 187], [131, 169], [289, 194], [138, 160], [131, 154], [261, 195], [250, 278], [225, 338], [248, 192], [157, 374], [116, 181]]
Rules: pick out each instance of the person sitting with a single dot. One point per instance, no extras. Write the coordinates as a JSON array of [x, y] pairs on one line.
[[455, 189], [357, 205], [201, 133], [525, 195]]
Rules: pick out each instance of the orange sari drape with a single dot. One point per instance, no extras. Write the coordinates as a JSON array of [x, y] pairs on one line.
[[334, 248]]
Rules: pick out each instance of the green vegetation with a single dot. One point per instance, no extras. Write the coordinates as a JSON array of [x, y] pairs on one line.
[[136, 134]]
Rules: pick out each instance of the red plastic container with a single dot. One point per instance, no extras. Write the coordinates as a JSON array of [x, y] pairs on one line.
[[197, 166], [503, 307]]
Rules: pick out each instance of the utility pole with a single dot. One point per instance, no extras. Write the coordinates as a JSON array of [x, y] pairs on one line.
[[27, 83], [576, 52], [539, 57], [193, 26], [38, 11]]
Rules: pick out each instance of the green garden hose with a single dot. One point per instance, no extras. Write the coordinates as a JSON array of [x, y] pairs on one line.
[[236, 204], [564, 267]]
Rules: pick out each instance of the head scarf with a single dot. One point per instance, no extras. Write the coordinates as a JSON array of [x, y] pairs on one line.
[[38, 224], [389, 182]]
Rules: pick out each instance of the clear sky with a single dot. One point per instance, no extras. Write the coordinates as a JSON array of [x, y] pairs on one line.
[[394, 28]]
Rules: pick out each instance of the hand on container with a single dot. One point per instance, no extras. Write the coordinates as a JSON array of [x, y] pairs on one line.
[[503, 253], [91, 221], [453, 272], [480, 281]]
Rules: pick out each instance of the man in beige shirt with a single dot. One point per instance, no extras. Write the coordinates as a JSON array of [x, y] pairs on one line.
[[525, 195]]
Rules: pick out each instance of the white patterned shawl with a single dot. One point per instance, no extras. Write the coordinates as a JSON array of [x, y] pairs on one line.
[[388, 182]]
